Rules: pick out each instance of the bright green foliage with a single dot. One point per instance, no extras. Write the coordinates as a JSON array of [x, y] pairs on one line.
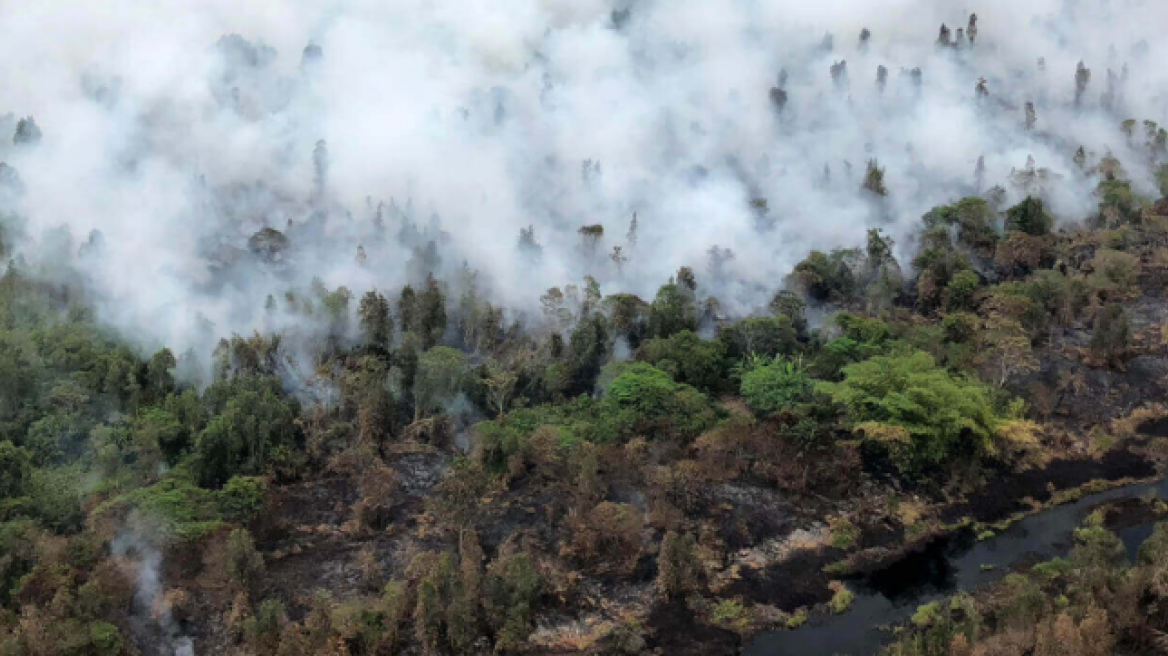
[[924, 415], [104, 639], [688, 358], [1029, 217], [173, 508], [639, 399], [864, 330], [644, 399], [772, 385]]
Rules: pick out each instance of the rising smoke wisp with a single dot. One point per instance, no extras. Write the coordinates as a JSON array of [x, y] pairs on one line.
[[363, 130]]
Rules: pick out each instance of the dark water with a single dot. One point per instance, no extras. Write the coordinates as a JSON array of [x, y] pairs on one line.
[[890, 596]]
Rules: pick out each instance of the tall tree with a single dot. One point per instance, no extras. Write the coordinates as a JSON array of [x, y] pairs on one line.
[[376, 322], [431, 313]]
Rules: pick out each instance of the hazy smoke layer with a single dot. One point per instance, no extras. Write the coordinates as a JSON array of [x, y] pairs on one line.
[[178, 143]]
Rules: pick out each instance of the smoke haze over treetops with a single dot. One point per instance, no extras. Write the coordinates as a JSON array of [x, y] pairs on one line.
[[180, 128]]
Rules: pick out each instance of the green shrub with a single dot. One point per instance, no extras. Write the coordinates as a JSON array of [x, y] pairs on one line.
[[922, 414], [961, 290], [175, 509], [842, 599], [244, 564], [730, 613], [844, 534], [104, 639], [1029, 217], [242, 498], [960, 327], [769, 386]]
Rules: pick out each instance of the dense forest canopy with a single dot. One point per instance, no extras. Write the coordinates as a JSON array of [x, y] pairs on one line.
[[580, 328]]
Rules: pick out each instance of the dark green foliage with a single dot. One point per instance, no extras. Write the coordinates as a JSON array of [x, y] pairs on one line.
[[242, 498], [788, 304], [688, 358], [27, 132], [587, 350], [679, 572], [15, 470], [244, 564], [442, 373], [431, 314], [407, 310], [960, 291], [825, 278], [159, 381], [1029, 217], [254, 422], [1117, 196], [672, 311], [55, 496], [874, 179], [1112, 333], [376, 324], [768, 336], [960, 327], [511, 589], [973, 220], [628, 315]]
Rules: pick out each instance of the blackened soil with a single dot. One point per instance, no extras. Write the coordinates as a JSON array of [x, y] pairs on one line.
[[676, 632], [1007, 495]]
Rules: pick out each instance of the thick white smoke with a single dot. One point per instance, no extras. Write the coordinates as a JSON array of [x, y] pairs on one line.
[[178, 146]]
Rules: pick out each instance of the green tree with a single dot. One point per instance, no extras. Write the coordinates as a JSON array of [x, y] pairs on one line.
[[244, 564], [688, 358], [786, 303], [924, 415], [159, 380], [827, 277], [15, 470], [254, 422], [442, 372], [1029, 217], [376, 323], [431, 313], [672, 311], [767, 336]]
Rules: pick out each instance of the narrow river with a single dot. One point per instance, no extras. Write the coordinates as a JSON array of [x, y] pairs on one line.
[[958, 562]]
